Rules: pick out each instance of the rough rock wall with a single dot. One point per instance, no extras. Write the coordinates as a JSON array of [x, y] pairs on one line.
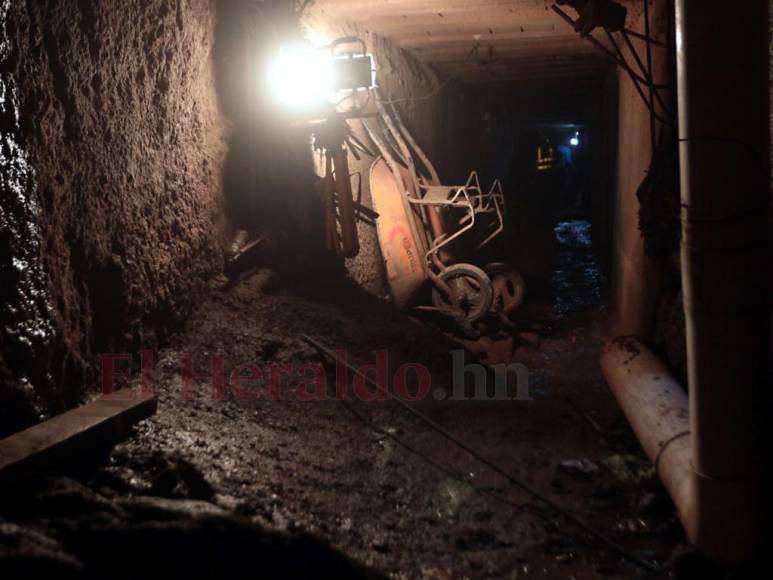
[[121, 223]]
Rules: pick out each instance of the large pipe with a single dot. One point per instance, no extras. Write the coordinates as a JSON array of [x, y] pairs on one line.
[[720, 483], [657, 408], [722, 76], [727, 525]]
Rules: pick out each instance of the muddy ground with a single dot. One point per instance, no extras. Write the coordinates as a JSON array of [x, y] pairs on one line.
[[284, 487]]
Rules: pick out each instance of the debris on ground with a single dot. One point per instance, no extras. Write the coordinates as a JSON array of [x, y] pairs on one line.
[[630, 468], [581, 467]]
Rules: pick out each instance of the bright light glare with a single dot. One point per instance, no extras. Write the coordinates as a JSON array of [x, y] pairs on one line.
[[575, 140], [317, 39], [301, 76]]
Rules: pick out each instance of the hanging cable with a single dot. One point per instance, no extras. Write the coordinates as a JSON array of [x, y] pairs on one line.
[[642, 68], [637, 79], [608, 52], [424, 97], [648, 44]]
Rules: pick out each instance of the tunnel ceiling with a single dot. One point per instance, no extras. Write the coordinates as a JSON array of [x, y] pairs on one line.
[[480, 41]]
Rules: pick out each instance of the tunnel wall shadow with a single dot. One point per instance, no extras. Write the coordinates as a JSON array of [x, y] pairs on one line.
[[269, 179]]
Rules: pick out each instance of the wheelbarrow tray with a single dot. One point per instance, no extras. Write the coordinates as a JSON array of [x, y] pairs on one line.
[[402, 248]]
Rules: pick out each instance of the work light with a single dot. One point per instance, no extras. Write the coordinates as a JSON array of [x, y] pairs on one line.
[[301, 77], [304, 77]]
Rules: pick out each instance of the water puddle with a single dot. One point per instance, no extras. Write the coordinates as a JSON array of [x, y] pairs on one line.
[[578, 281]]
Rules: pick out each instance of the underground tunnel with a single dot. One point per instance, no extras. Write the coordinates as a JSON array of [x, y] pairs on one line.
[[411, 289]]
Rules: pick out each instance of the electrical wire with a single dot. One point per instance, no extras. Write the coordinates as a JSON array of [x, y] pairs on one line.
[[640, 36], [644, 71], [649, 103], [606, 51], [429, 460], [646, 564], [649, 76], [434, 92], [637, 79]]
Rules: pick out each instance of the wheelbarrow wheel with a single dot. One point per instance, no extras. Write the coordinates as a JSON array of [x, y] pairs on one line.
[[472, 288], [508, 286]]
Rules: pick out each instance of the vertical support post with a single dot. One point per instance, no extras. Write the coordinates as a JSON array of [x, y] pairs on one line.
[[722, 64], [350, 243]]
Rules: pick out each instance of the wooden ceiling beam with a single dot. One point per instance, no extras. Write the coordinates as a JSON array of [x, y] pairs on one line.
[[525, 71], [544, 46], [509, 53], [519, 71], [386, 7], [524, 37], [430, 40]]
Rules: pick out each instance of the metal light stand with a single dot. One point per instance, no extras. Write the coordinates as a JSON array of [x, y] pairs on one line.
[[338, 198], [334, 138]]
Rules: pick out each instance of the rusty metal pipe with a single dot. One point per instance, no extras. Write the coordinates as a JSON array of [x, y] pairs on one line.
[[332, 240], [350, 243]]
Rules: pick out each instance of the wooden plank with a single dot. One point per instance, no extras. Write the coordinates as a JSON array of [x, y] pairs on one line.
[[517, 6], [579, 84], [543, 48], [482, 20], [503, 72], [66, 437], [408, 6], [365, 9], [516, 68], [561, 41], [518, 60]]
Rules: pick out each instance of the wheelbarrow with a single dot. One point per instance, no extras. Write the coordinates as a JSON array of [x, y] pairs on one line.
[[424, 225]]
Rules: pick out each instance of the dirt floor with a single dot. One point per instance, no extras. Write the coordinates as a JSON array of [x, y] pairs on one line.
[[263, 487]]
